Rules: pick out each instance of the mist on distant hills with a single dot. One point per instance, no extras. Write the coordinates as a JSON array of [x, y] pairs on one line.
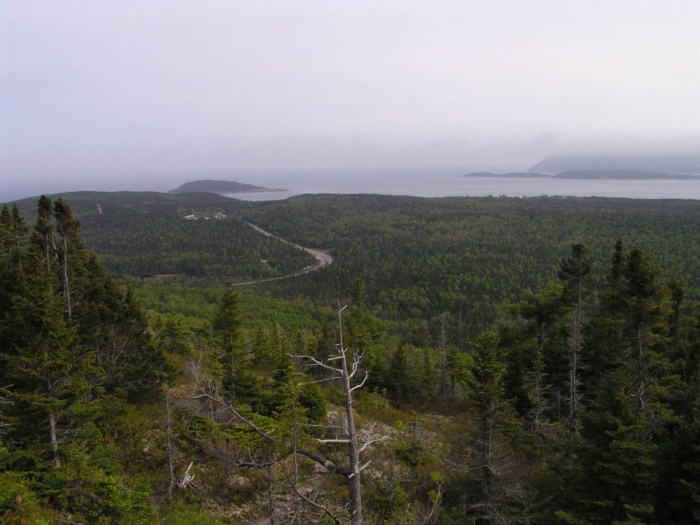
[[669, 164]]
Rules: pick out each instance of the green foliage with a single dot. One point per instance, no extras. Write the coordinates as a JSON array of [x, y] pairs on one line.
[[414, 453], [145, 234], [514, 429], [15, 485], [185, 514], [467, 255], [387, 502], [62, 362], [314, 402], [238, 379]]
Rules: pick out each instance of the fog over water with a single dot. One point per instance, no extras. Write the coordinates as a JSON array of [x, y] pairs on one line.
[[423, 183]]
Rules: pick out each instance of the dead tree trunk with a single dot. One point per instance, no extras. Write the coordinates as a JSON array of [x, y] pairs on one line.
[[356, 442], [575, 351], [66, 281], [353, 449], [168, 447], [344, 368], [53, 435]]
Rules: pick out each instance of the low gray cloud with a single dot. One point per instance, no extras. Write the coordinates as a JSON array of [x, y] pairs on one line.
[[133, 94]]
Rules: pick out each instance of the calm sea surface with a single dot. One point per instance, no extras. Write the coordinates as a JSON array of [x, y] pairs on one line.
[[446, 185]]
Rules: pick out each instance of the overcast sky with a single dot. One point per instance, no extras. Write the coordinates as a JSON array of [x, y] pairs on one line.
[[143, 94]]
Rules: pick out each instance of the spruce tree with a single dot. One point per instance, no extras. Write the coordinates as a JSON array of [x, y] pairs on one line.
[[52, 371], [70, 250], [573, 273], [494, 493], [45, 370], [238, 381], [627, 406]]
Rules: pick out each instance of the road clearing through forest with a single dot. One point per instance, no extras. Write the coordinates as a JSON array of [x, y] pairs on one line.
[[322, 258]]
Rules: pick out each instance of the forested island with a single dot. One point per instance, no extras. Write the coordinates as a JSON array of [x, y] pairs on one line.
[[218, 186], [461, 360]]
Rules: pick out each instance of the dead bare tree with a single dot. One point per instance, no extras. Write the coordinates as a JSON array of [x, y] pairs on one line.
[[168, 447], [278, 449], [345, 368], [309, 499]]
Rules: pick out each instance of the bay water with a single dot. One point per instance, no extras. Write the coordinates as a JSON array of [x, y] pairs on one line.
[[447, 184]]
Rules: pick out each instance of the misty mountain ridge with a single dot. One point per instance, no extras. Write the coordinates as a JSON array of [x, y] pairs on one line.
[[659, 164], [217, 186], [621, 175], [623, 167], [588, 175], [511, 175]]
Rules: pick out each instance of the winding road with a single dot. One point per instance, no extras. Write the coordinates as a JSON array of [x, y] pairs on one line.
[[322, 258]]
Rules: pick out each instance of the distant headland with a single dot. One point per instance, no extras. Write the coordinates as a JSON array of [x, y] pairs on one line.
[[627, 167], [219, 186]]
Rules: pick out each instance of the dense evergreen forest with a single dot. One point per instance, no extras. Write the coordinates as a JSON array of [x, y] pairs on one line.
[[463, 360]]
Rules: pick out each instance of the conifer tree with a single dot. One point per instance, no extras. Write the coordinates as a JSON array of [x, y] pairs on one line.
[[358, 318], [43, 235], [13, 233], [45, 369], [262, 348], [113, 327], [494, 417], [51, 383], [604, 333], [627, 409], [69, 248], [13, 230], [398, 380], [546, 345], [173, 337], [573, 272], [238, 380], [427, 375]]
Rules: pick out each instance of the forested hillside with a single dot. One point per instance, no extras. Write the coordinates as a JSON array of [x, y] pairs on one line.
[[475, 361], [467, 256], [195, 235], [418, 257]]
